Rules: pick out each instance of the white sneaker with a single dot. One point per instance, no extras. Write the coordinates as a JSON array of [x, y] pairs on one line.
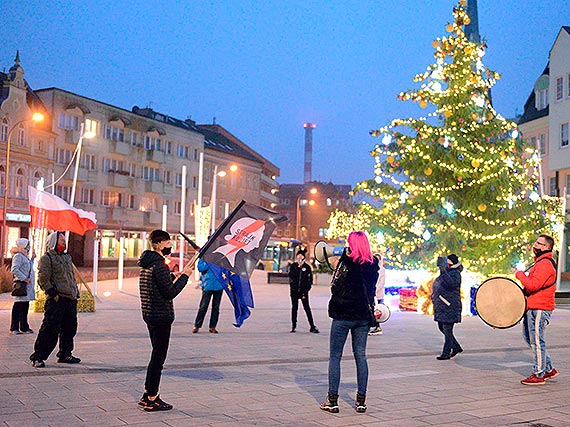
[[375, 331]]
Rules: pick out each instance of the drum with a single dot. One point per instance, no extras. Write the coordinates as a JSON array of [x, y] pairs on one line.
[[500, 302], [381, 312]]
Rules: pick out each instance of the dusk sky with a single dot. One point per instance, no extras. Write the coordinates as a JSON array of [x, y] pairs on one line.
[[263, 68]]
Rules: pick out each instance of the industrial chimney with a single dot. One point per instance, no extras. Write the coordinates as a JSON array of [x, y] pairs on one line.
[[308, 150]]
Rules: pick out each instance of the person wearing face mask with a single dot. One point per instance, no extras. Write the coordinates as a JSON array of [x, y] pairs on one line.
[[539, 286], [57, 279], [22, 269], [157, 290], [300, 282]]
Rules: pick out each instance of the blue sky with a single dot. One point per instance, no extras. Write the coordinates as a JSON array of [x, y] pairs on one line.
[[262, 68]]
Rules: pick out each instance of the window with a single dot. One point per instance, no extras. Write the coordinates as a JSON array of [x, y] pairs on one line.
[[91, 126], [20, 140], [196, 154], [323, 232], [88, 161], [147, 145], [111, 199], [564, 135], [303, 202], [542, 99], [559, 88], [150, 174], [182, 151], [167, 177], [168, 147], [21, 188], [542, 144], [194, 182], [113, 133], [567, 184], [87, 196], [131, 201], [62, 157], [114, 166], [134, 139], [68, 122], [552, 189], [179, 180], [148, 204], [177, 208], [63, 191], [329, 202], [4, 130]]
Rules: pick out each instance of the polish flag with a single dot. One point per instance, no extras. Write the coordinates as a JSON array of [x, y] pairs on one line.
[[50, 211]]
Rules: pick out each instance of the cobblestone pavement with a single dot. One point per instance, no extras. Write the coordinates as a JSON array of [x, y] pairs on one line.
[[262, 375]]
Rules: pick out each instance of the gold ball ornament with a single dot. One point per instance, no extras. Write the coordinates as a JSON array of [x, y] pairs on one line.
[[435, 44], [449, 28], [466, 20], [447, 113], [390, 159], [475, 163], [462, 2], [385, 211], [423, 104], [482, 207], [428, 171]]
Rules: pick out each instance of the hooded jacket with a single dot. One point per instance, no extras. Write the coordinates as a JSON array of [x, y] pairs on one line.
[[55, 270], [539, 295], [300, 278], [350, 300], [446, 295], [157, 290]]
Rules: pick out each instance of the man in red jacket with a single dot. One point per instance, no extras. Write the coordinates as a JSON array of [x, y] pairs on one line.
[[539, 287]]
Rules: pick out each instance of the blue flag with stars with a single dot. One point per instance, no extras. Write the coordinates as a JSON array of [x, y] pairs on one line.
[[238, 290]]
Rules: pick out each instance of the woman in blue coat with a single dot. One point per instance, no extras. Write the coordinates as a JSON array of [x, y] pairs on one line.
[[446, 298]]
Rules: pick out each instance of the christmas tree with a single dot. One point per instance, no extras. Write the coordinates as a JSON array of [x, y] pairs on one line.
[[461, 179]]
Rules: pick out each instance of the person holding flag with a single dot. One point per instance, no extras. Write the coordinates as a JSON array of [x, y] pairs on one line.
[[157, 290]]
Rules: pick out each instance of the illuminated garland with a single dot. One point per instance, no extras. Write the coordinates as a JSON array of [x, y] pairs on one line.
[[460, 178]]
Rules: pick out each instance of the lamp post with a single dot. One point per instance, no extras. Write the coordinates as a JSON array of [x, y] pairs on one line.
[[298, 212], [36, 117], [214, 186]]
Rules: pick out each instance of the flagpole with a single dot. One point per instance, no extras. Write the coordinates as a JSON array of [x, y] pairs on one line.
[[216, 233]]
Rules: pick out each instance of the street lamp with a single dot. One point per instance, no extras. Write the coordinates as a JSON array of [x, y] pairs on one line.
[[298, 211], [217, 174], [36, 117]]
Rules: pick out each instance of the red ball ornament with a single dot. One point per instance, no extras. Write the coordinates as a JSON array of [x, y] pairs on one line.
[[463, 247], [459, 178]]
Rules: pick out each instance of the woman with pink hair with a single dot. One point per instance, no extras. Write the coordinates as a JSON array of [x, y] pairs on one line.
[[348, 307]]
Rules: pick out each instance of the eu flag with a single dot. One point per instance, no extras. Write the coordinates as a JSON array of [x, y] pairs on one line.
[[238, 291]]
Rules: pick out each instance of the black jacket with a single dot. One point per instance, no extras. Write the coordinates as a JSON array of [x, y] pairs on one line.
[[157, 290], [300, 278], [350, 300], [446, 295]]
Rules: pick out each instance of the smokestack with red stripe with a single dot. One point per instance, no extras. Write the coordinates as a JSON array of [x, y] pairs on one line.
[[308, 150]]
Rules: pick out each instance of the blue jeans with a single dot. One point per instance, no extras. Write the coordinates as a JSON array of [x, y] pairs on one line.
[[339, 333], [534, 328]]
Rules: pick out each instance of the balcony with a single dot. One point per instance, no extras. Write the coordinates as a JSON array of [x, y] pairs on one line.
[[86, 175], [119, 179], [155, 156], [124, 215], [154, 187], [120, 148]]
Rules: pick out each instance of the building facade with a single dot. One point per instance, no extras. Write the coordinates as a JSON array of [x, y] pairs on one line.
[[545, 122]]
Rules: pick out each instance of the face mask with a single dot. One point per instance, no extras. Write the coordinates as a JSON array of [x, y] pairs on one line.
[[166, 251], [60, 248]]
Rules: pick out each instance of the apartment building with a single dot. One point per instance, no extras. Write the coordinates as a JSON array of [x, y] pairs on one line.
[[545, 121]]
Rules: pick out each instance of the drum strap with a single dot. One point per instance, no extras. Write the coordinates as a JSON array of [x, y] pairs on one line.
[[548, 286]]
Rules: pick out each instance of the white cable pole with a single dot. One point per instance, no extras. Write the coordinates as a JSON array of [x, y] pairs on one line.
[[227, 210], [540, 168], [182, 217], [213, 201], [164, 215], [562, 251], [95, 262], [75, 172], [121, 262], [200, 179]]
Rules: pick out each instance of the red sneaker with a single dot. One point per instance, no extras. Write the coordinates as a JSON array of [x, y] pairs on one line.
[[548, 375], [533, 380]]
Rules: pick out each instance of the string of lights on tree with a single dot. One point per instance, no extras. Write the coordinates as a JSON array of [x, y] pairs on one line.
[[460, 179]]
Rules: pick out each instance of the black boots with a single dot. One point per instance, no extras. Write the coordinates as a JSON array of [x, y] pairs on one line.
[[360, 405], [331, 404]]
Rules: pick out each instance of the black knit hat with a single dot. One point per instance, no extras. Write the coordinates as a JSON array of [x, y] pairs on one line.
[[453, 258]]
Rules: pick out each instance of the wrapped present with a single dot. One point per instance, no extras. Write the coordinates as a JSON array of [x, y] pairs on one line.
[[408, 299]]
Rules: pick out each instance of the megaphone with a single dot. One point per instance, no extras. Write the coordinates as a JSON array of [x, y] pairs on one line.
[[323, 251], [381, 312]]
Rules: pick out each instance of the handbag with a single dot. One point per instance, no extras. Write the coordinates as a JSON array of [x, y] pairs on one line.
[[19, 288]]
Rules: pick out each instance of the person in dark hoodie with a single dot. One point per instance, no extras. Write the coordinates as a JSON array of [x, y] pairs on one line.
[[446, 298], [300, 283], [57, 279], [157, 290]]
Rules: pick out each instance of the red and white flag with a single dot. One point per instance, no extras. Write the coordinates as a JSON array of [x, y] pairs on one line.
[[50, 211]]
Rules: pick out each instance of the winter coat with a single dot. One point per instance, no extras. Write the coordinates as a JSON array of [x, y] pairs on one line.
[[300, 278], [446, 295], [350, 300], [23, 269], [157, 290], [55, 270], [209, 280], [538, 295]]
